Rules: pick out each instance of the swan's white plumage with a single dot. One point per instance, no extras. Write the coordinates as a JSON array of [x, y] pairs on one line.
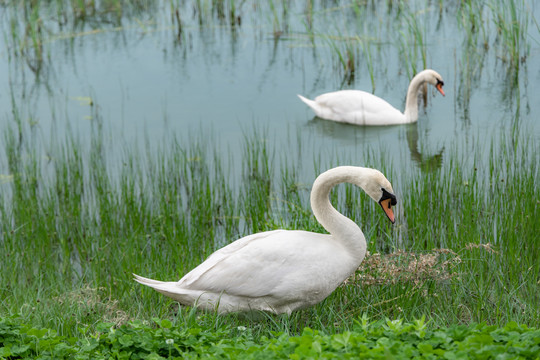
[[282, 270], [362, 108]]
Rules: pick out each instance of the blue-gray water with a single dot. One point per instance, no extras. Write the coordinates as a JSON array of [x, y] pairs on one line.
[[145, 82]]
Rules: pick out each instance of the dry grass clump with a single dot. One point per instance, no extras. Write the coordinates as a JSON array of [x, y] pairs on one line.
[[488, 247], [402, 266], [88, 301]]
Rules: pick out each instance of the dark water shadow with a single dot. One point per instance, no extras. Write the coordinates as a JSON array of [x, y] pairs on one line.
[[354, 134], [349, 133], [423, 161]]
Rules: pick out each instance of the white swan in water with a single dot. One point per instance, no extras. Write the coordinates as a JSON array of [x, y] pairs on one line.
[[284, 270], [362, 108]]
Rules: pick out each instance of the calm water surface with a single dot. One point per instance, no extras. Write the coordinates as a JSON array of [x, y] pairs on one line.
[[145, 82]]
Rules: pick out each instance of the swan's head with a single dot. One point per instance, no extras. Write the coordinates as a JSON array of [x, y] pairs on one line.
[[434, 78], [372, 181], [380, 190]]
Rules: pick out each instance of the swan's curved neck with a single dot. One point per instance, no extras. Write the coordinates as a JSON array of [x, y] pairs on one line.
[[342, 229], [411, 102]]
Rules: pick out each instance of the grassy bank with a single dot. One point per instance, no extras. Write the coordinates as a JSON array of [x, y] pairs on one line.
[[76, 221]]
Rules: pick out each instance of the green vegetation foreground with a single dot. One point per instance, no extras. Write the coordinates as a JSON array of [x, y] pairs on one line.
[[368, 340]]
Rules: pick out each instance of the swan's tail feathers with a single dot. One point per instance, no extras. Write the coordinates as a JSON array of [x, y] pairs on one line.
[[146, 281], [170, 289], [312, 104]]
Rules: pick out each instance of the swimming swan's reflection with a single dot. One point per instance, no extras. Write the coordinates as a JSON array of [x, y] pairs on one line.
[[353, 134]]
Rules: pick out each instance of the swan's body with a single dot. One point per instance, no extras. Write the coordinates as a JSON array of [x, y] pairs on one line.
[[284, 270], [362, 108]]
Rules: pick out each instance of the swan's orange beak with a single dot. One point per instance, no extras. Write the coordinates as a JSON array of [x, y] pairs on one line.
[[439, 87], [387, 207]]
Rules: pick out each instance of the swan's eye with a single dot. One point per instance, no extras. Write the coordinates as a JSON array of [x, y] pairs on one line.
[[387, 195]]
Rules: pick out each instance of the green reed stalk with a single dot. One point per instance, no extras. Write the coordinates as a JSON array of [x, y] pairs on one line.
[[512, 19], [366, 47], [275, 19], [412, 42]]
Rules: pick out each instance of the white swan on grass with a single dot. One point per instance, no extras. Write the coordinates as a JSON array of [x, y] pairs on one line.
[[362, 108], [284, 270]]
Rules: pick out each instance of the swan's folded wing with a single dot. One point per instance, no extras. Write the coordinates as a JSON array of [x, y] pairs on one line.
[[241, 269], [350, 101], [219, 255]]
